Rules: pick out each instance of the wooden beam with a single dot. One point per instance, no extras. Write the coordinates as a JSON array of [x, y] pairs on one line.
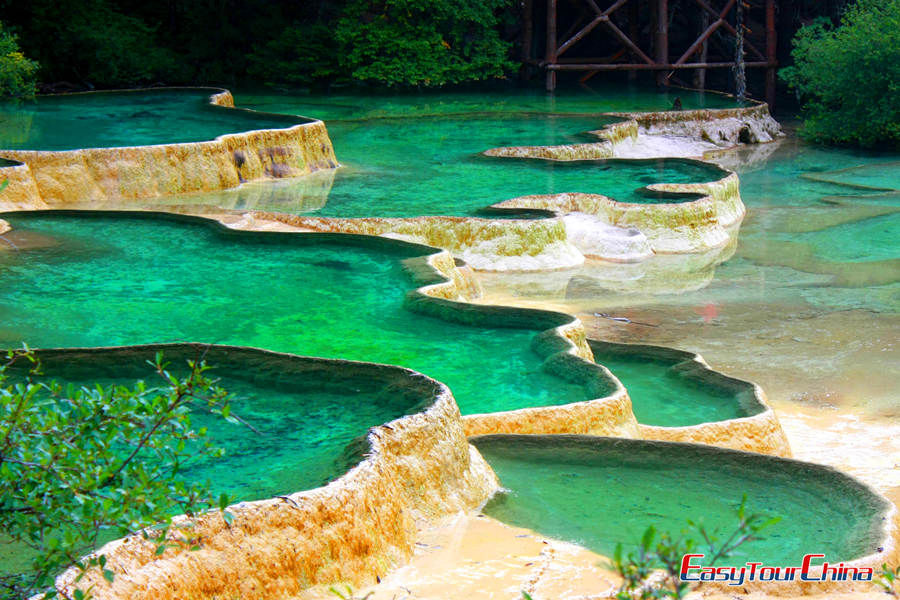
[[628, 43], [728, 26], [700, 41], [608, 60], [650, 67], [700, 74], [633, 16], [584, 31]]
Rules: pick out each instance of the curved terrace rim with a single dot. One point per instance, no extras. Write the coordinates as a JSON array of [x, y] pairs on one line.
[[559, 338]]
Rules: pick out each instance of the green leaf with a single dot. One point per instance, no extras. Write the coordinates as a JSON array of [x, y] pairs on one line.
[[108, 575], [647, 539]]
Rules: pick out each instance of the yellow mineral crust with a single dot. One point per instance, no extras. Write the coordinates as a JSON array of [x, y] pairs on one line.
[[354, 529], [485, 244], [567, 354], [670, 228], [723, 127], [20, 193], [98, 175]]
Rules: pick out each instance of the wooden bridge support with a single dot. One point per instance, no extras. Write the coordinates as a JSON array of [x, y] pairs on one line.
[[662, 41]]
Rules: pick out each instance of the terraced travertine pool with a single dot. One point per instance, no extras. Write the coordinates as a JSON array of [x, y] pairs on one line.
[[281, 400], [599, 492], [81, 280], [814, 280], [101, 280], [113, 119], [405, 156]]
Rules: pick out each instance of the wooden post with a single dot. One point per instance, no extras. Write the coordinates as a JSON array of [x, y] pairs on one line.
[[740, 71], [633, 16], [771, 54], [700, 74], [551, 45], [662, 39], [528, 30]]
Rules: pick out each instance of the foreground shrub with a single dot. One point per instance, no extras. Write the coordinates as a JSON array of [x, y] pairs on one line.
[[81, 465]]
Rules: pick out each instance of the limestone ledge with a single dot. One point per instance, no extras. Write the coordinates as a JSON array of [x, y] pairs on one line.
[[759, 431], [568, 354], [418, 467], [686, 227], [669, 228], [723, 127], [354, 529], [97, 175], [21, 192], [484, 244]]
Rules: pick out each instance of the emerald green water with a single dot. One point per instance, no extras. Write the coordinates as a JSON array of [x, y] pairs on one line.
[[599, 492], [420, 155], [97, 281], [595, 98], [285, 409], [659, 396], [109, 119]]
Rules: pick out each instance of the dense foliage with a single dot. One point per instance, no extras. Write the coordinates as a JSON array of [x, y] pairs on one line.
[[107, 43], [81, 465], [17, 73], [848, 77], [422, 42]]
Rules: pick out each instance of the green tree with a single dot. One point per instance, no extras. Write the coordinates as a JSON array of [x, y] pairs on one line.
[[17, 73], [848, 77], [92, 42], [301, 54], [422, 42], [78, 466]]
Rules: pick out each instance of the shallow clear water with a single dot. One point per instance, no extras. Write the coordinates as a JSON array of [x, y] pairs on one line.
[[433, 166], [597, 493], [109, 119], [594, 98], [420, 155], [809, 304], [101, 281], [660, 397]]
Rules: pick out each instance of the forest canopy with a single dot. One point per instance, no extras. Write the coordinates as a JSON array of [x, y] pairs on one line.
[[103, 44]]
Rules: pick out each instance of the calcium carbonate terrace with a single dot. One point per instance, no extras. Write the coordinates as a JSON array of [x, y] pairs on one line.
[[331, 284]]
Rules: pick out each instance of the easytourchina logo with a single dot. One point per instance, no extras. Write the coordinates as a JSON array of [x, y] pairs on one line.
[[692, 569]]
